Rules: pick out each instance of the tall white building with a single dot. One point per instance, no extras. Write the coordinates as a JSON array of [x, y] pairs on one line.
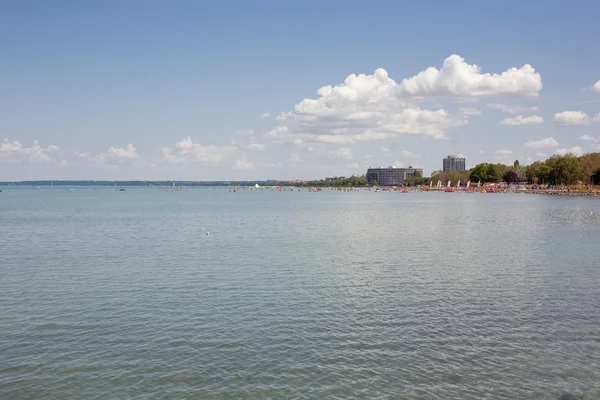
[[454, 163]]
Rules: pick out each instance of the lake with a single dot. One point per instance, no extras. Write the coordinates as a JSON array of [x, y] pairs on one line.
[[211, 294]]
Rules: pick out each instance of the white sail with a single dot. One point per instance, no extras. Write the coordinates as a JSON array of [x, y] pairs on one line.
[[449, 182], [468, 183], [458, 183]]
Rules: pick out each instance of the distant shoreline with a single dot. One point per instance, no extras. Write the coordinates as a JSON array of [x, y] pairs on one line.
[[581, 191]]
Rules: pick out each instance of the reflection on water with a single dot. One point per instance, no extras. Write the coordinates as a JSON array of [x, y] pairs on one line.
[[298, 295]]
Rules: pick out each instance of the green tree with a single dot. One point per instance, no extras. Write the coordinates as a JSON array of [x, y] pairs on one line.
[[496, 172], [538, 172], [565, 170], [480, 172]]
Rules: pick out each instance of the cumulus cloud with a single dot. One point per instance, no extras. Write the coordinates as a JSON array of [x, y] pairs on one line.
[[363, 107], [398, 164], [127, 152], [576, 151], [572, 118], [588, 138], [512, 109], [456, 78], [385, 149], [540, 154], [14, 151], [596, 87], [210, 155], [373, 107], [520, 120], [542, 143], [265, 115]]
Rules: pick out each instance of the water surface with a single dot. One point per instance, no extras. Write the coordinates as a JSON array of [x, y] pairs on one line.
[[108, 294]]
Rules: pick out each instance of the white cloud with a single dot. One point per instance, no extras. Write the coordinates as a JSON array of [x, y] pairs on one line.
[[572, 118], [588, 138], [398, 164], [503, 152], [521, 120], [456, 78], [14, 151], [385, 149], [470, 111], [343, 153], [127, 152], [597, 117], [265, 115], [354, 165], [409, 154], [187, 151], [576, 151], [540, 154], [294, 158], [363, 107], [596, 87], [374, 107], [284, 116], [512, 109], [542, 143]]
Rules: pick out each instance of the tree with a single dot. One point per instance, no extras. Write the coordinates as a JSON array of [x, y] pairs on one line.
[[510, 177], [516, 164], [496, 172], [565, 170], [480, 172], [589, 164], [538, 172], [596, 177]]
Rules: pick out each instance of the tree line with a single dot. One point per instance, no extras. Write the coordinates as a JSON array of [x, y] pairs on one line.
[[556, 170]]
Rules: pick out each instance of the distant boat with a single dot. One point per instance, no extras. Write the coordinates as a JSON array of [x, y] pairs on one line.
[[121, 189]]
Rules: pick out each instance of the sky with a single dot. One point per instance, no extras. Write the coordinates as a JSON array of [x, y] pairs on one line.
[[236, 90]]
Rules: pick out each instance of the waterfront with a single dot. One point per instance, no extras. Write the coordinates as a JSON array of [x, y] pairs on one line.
[[110, 294]]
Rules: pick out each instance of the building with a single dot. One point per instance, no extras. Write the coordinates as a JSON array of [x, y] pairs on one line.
[[454, 163], [391, 176]]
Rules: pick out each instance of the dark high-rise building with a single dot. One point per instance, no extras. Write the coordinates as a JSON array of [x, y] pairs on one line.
[[454, 163], [391, 176]]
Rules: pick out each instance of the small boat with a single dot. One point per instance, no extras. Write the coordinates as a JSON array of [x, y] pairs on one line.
[[121, 189]]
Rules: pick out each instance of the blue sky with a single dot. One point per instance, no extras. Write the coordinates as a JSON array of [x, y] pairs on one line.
[[228, 90]]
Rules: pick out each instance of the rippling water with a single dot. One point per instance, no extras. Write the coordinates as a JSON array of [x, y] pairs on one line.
[[108, 294]]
